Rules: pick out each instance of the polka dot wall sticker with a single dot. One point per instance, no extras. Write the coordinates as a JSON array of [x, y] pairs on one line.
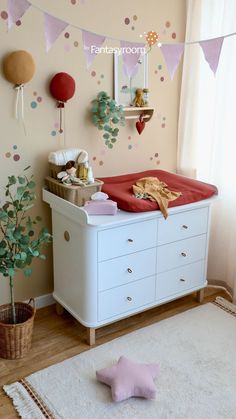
[[15, 156], [155, 158], [4, 15], [36, 100]]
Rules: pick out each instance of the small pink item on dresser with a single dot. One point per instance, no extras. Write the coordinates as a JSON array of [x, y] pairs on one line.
[[101, 207]]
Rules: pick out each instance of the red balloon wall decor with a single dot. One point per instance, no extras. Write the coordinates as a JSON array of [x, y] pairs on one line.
[[62, 88]]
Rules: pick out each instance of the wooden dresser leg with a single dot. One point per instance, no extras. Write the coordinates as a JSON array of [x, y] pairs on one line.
[[91, 335], [59, 309], [200, 295]]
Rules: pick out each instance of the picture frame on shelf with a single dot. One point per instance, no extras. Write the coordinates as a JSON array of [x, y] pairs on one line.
[[124, 87]]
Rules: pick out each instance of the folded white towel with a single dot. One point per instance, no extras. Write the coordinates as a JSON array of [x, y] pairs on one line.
[[61, 157]]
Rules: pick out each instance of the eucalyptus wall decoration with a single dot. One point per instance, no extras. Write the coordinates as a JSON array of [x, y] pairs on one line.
[[106, 114]]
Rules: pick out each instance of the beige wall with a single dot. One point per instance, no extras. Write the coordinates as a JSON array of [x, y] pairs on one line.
[[104, 17]]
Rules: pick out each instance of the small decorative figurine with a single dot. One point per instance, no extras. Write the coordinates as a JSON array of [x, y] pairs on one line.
[[139, 100]]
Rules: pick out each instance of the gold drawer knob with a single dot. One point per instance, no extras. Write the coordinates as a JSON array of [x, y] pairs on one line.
[[182, 280], [183, 254], [184, 226], [129, 298], [67, 236], [129, 270], [130, 240]]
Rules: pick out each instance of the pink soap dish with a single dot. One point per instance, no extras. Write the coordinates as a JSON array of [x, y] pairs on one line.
[[101, 207]]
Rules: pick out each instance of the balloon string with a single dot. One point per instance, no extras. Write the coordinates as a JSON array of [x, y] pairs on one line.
[[20, 97]]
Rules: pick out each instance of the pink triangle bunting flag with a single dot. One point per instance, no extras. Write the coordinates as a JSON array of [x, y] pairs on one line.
[[212, 49], [53, 27], [16, 9], [92, 43], [172, 54], [131, 53]]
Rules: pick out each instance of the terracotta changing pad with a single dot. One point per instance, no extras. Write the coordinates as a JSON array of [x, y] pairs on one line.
[[119, 189]]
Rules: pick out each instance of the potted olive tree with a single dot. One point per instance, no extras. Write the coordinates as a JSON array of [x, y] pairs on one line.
[[19, 244]]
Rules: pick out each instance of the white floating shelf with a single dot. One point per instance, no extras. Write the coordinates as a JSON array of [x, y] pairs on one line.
[[134, 112]]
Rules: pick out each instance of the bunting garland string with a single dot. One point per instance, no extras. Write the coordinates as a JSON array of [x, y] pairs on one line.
[[172, 52]]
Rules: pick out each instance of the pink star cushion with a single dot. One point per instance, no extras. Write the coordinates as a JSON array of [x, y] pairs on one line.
[[129, 379]]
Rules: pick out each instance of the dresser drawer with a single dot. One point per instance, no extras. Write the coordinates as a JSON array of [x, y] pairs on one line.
[[127, 239], [126, 298], [183, 225], [181, 279], [170, 256], [125, 269]]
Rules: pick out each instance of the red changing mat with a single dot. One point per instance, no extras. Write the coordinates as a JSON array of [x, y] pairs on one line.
[[119, 189]]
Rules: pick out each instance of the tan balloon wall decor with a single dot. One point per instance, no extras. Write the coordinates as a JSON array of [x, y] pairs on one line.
[[19, 69]]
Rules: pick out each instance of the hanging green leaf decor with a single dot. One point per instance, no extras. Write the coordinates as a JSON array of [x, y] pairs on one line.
[[105, 114]]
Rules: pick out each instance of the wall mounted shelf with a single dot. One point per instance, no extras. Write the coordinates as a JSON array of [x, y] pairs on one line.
[[133, 112]]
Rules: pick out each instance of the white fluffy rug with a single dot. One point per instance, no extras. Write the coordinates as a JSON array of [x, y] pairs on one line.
[[196, 351]]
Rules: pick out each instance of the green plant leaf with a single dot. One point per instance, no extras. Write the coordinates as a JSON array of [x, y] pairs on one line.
[[113, 140], [38, 218], [11, 272], [106, 136], [11, 180], [21, 180], [3, 215], [31, 184]]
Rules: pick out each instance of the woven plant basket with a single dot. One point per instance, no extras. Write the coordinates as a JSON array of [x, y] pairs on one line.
[[15, 339]]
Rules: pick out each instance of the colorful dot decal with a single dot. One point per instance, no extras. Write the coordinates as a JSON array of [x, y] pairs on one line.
[[162, 78], [127, 21], [159, 67], [129, 137], [133, 28], [102, 76], [73, 2], [39, 99], [35, 93], [93, 73], [94, 158], [33, 104], [15, 157], [173, 35], [101, 163], [99, 82], [53, 133], [4, 15], [18, 22], [76, 44], [135, 17], [67, 35], [155, 157], [130, 147], [167, 24], [163, 125]]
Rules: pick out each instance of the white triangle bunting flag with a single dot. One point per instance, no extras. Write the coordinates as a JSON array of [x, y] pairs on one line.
[[91, 43], [16, 9], [172, 54], [53, 27], [211, 49]]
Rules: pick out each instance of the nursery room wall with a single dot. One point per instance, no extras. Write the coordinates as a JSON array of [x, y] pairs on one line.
[[155, 148]]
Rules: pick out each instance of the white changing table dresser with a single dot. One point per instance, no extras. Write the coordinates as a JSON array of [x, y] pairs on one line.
[[110, 267]]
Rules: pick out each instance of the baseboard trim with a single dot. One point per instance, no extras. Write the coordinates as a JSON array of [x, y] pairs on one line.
[[44, 301]]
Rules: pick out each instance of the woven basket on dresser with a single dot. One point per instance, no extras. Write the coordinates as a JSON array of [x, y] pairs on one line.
[[15, 339], [77, 195]]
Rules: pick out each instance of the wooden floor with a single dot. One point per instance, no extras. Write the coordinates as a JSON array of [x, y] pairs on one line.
[[57, 338]]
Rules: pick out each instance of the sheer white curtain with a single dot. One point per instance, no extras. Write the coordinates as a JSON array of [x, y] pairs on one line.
[[207, 127]]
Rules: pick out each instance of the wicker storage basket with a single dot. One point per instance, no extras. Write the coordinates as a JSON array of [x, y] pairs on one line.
[[54, 170], [77, 195], [15, 339]]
